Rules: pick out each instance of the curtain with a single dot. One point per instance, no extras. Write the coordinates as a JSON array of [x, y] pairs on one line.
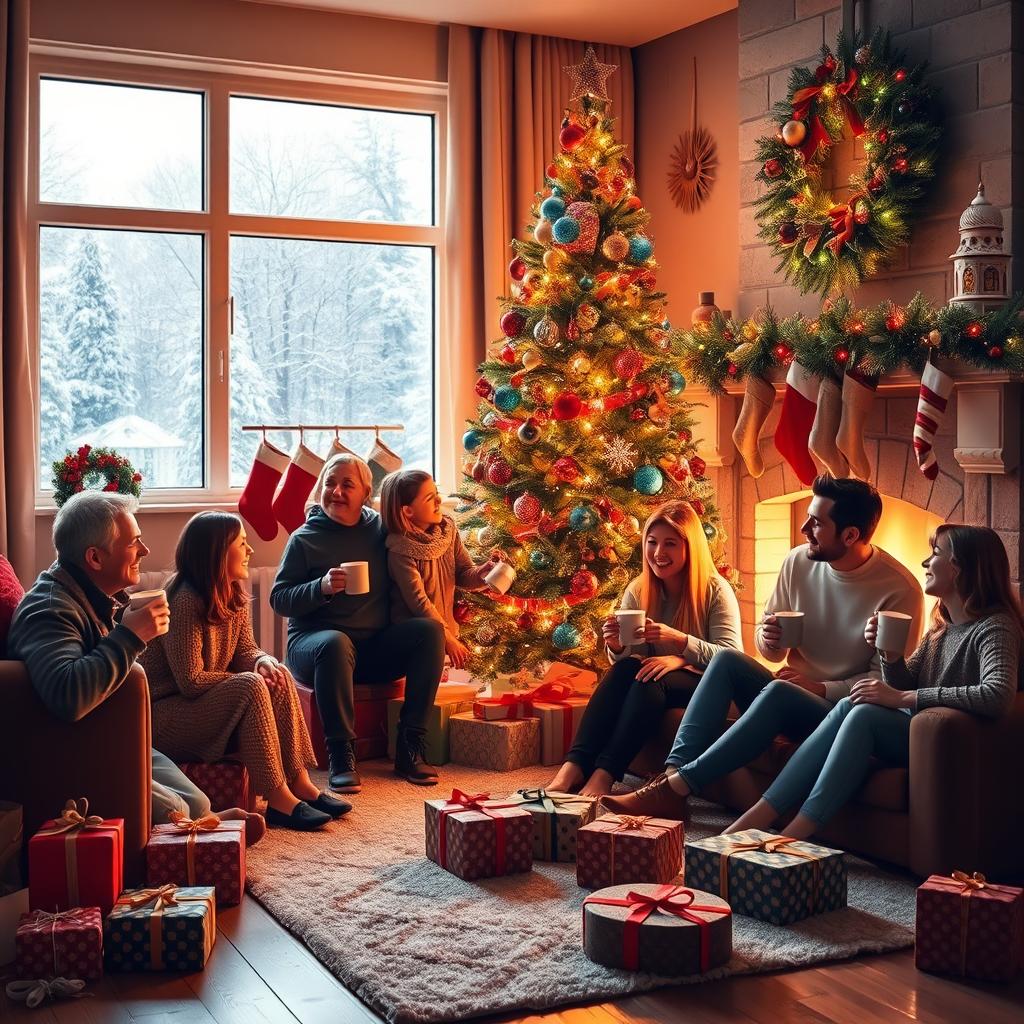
[[507, 94], [17, 411]]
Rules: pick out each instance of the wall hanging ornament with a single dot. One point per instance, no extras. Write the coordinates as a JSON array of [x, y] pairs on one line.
[[826, 242], [99, 469], [691, 167]]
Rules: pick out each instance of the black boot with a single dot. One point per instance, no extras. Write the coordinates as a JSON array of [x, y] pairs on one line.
[[411, 758], [344, 778]]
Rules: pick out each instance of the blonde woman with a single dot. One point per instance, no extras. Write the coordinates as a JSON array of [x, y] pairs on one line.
[[692, 614]]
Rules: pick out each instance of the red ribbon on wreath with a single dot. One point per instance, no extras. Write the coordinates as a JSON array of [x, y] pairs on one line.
[[841, 216], [817, 134]]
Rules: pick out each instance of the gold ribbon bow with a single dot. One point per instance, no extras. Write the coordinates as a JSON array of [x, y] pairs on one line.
[[628, 823], [969, 884], [769, 844], [973, 881], [631, 822], [74, 818], [193, 826]]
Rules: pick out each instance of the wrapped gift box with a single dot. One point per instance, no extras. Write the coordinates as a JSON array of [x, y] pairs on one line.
[[226, 783], [164, 929], [582, 680], [204, 852], [446, 705], [76, 860], [507, 707], [769, 877], [661, 929], [68, 944], [618, 849], [969, 927], [557, 818], [499, 746], [473, 836], [559, 720]]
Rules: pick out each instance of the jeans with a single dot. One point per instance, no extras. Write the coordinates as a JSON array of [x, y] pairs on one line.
[[623, 714], [832, 764], [334, 662], [173, 791]]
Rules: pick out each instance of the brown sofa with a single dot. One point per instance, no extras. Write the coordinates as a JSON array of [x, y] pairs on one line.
[[959, 804], [105, 757]]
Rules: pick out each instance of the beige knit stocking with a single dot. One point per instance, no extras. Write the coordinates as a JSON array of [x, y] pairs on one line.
[[858, 395], [758, 399], [822, 442]]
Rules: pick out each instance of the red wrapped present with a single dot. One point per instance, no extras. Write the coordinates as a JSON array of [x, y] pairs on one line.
[[76, 860], [969, 927], [473, 836], [509, 706], [617, 849], [68, 944], [226, 783], [560, 710], [206, 851]]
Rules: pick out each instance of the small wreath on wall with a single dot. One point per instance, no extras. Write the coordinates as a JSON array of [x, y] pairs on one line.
[[97, 468], [826, 243], [691, 167]]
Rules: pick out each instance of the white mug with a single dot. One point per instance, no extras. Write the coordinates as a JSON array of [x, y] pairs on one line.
[[631, 625], [357, 577], [501, 577], [893, 630], [140, 598], [792, 626]]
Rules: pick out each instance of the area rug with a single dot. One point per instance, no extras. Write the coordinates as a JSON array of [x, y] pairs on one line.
[[418, 944]]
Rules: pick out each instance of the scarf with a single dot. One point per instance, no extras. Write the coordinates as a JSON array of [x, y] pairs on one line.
[[422, 545]]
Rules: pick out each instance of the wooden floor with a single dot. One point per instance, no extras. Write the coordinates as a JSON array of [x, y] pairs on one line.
[[259, 974]]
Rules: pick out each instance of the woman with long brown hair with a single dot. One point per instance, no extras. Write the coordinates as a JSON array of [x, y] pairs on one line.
[[691, 614], [214, 691], [969, 659]]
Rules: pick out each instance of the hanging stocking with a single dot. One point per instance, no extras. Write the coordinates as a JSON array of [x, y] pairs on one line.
[[794, 430], [290, 501], [337, 448], [826, 427], [936, 387], [758, 399], [254, 505], [382, 460], [858, 396]]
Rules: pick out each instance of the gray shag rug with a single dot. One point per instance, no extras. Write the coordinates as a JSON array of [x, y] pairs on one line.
[[418, 944]]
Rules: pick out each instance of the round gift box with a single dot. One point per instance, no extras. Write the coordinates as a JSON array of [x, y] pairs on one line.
[[668, 944]]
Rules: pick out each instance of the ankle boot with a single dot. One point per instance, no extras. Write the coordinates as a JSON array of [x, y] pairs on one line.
[[341, 756], [656, 799], [411, 758]]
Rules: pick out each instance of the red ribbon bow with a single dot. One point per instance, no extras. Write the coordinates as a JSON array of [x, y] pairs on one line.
[[841, 216], [818, 134], [460, 801], [557, 694], [519, 705]]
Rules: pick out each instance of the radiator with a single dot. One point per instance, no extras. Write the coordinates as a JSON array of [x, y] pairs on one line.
[[269, 628]]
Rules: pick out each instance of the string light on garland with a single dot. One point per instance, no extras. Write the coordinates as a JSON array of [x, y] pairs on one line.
[[974, 329]]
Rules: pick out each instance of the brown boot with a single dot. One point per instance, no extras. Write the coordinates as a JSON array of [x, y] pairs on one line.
[[656, 799]]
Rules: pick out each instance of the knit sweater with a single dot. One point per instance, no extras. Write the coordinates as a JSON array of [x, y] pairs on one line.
[[836, 605], [975, 666], [720, 630], [195, 654], [426, 567]]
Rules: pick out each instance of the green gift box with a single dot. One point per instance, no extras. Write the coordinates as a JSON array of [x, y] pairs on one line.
[[170, 928], [438, 721], [769, 877], [557, 818]]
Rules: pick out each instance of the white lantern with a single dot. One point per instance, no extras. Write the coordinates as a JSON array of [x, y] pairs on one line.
[[980, 264]]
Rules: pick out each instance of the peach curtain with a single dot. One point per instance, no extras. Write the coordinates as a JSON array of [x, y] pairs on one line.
[[507, 93], [17, 411]]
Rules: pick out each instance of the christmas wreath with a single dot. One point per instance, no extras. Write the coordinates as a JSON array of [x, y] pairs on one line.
[[825, 243], [99, 468]]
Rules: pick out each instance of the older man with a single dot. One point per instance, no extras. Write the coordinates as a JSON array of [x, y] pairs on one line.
[[79, 641]]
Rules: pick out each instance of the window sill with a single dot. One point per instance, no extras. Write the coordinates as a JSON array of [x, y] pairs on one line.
[[169, 505]]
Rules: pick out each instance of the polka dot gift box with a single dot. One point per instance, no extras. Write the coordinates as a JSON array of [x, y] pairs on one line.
[[67, 944], [205, 851]]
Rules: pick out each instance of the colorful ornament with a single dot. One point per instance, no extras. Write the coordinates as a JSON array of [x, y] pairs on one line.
[[540, 559], [512, 323], [463, 612], [648, 479], [546, 332], [861, 213], [583, 584], [710, 531], [697, 465], [788, 233], [772, 168], [517, 269], [484, 388], [542, 232], [472, 439], [842, 355], [567, 469], [499, 472], [579, 364], [900, 165], [527, 509], [794, 133], [628, 363], [637, 414], [586, 283], [479, 471], [974, 329], [532, 359], [900, 75], [526, 622], [571, 136], [589, 223], [933, 338], [616, 247], [582, 518], [587, 316], [566, 406], [619, 456], [490, 418], [565, 636], [995, 352], [552, 208], [486, 635], [507, 354], [508, 399], [529, 432], [565, 230], [640, 249], [675, 382]]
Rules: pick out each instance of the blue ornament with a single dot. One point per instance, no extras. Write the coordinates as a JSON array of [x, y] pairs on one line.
[[676, 382], [540, 559], [640, 248], [556, 190], [582, 518], [507, 399], [566, 230], [552, 208], [648, 479], [565, 636], [710, 531], [666, 325], [472, 439], [586, 283]]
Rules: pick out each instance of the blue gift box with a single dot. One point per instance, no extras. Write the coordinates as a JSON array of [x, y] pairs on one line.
[[170, 928]]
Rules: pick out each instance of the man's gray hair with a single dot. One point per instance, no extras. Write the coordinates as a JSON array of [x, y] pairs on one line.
[[89, 520]]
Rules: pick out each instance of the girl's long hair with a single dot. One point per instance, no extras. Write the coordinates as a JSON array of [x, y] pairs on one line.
[[201, 561], [700, 568], [397, 489], [983, 582]]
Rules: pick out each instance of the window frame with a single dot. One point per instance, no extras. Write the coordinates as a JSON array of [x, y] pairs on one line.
[[216, 225]]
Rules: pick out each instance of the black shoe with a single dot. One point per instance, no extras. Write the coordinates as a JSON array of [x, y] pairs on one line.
[[330, 805], [344, 778], [411, 759], [303, 818]]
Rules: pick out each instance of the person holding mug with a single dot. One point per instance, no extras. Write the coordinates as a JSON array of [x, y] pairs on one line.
[[340, 635], [675, 616], [969, 659]]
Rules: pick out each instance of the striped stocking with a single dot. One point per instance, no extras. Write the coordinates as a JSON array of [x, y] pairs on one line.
[[933, 398]]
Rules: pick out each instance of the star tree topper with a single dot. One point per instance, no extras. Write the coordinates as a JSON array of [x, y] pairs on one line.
[[589, 78]]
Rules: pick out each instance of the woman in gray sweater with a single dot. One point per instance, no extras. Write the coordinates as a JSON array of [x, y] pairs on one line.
[[969, 659]]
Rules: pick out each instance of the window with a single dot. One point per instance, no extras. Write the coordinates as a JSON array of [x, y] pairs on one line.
[[217, 252]]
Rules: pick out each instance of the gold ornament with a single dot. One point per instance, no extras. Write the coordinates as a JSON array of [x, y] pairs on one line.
[[554, 260], [741, 353], [590, 77], [750, 331], [794, 132], [532, 359], [579, 364], [587, 316], [934, 338], [616, 247]]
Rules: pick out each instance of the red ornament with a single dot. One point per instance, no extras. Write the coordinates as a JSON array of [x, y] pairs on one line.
[[526, 621], [566, 406], [841, 355], [732, 369], [484, 388], [697, 465], [974, 329], [517, 269], [512, 323], [527, 509], [697, 505], [551, 171], [463, 612], [725, 570], [479, 471], [900, 75], [782, 352], [571, 136], [567, 469], [572, 330], [637, 414], [896, 320], [583, 584], [628, 363], [883, 136], [499, 472], [900, 165], [507, 354], [772, 168], [995, 352], [788, 233], [516, 379], [587, 555]]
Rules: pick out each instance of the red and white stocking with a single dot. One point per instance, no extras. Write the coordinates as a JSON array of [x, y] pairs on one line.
[[792, 435], [254, 505], [290, 502], [381, 460], [936, 387]]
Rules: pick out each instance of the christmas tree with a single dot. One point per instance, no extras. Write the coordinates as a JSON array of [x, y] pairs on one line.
[[582, 429]]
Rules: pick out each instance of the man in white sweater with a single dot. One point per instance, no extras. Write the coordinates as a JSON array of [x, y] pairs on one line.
[[838, 579]]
